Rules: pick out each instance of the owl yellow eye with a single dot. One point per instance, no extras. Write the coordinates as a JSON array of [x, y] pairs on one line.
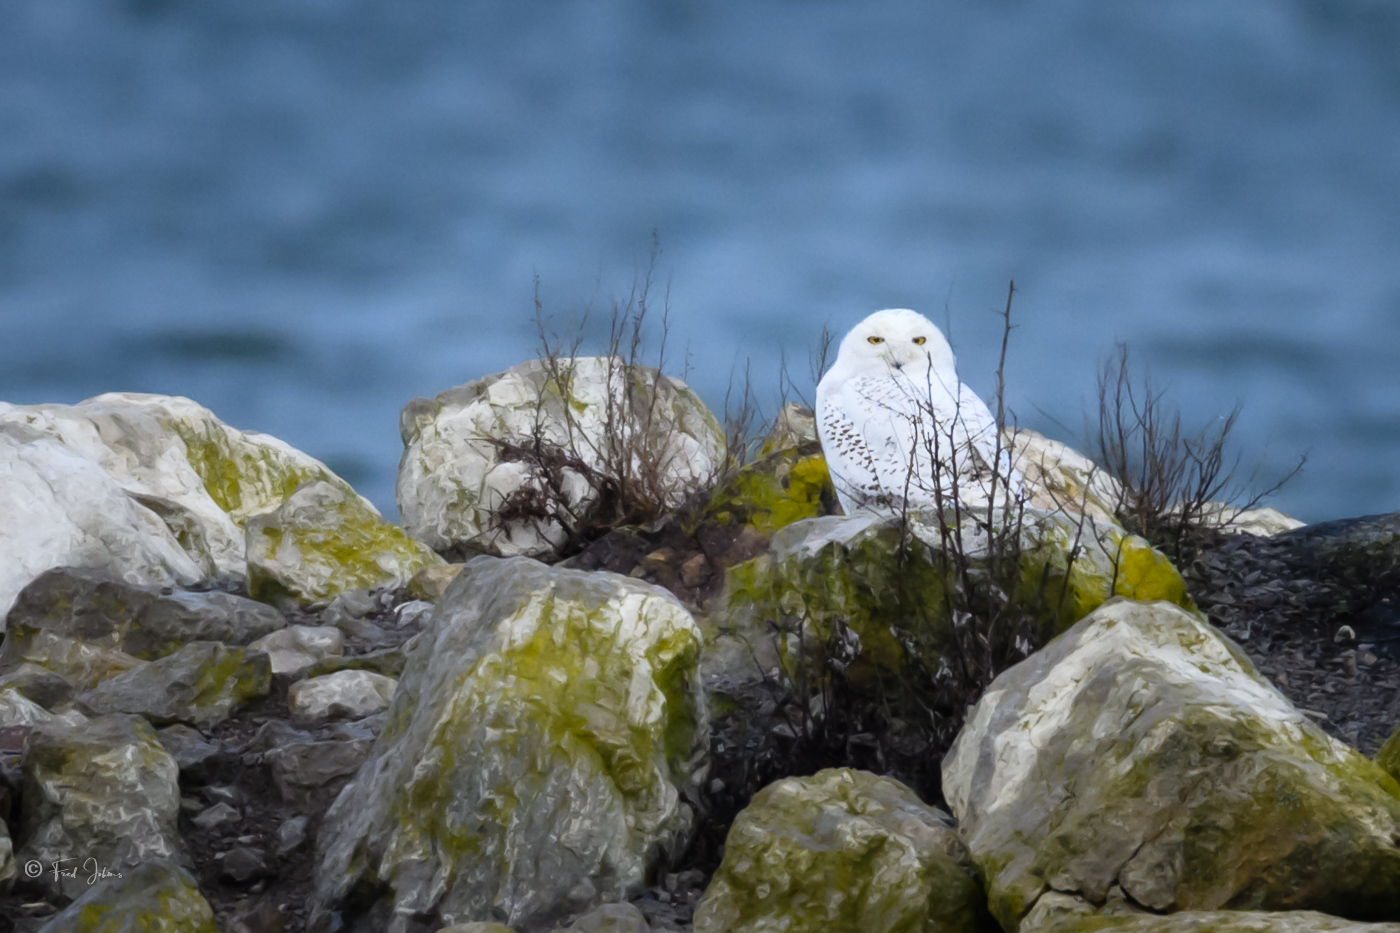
[[876, 339], [920, 340]]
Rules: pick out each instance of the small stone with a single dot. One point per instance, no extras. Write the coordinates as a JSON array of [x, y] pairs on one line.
[[243, 864], [218, 813], [1344, 634], [291, 835], [695, 571], [345, 693]]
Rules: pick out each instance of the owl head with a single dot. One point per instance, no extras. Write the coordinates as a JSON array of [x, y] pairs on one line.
[[899, 340]]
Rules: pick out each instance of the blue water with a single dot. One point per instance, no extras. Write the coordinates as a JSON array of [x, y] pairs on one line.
[[303, 213]]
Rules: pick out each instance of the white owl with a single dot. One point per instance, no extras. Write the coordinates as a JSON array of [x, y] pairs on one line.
[[899, 430]]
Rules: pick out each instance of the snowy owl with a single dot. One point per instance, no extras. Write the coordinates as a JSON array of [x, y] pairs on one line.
[[897, 427]]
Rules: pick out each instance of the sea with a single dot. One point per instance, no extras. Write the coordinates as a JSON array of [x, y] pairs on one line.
[[304, 213]]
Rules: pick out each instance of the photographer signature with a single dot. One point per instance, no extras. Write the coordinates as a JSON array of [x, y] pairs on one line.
[[93, 871]]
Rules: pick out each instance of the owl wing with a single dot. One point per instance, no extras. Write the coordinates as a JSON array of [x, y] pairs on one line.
[[842, 423]]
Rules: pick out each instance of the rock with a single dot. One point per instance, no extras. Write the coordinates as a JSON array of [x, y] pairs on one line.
[[842, 850], [297, 647], [1209, 921], [144, 622], [243, 864], [430, 583], [213, 816], [774, 492], [1141, 752], [59, 509], [18, 710], [188, 747], [349, 694], [175, 455], [848, 571], [412, 615], [201, 684], [794, 426], [324, 540], [157, 897], [291, 835], [1363, 553], [8, 868], [535, 754], [1389, 755], [1261, 521], [480, 927], [388, 662], [1060, 478], [308, 775], [458, 469], [610, 918], [39, 684], [105, 790], [80, 664]]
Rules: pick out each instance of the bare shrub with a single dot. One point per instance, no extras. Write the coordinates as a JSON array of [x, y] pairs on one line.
[[630, 470], [1176, 487]]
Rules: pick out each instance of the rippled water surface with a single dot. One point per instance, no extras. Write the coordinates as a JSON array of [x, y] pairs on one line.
[[303, 213]]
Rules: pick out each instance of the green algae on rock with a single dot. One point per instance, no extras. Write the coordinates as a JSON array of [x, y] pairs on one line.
[[842, 851], [105, 790], [323, 541], [1389, 755], [775, 491], [868, 573], [536, 758], [1141, 756], [142, 621], [458, 468], [156, 897], [201, 684]]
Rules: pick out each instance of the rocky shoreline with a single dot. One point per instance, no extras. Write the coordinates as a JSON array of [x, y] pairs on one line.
[[225, 678]]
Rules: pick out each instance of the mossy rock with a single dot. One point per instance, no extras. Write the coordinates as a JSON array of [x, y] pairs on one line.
[[873, 576], [775, 491], [1389, 755], [143, 622], [201, 684], [1141, 753], [842, 852], [158, 897], [542, 738], [105, 790], [322, 542]]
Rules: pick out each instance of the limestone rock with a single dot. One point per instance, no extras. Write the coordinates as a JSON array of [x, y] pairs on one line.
[[775, 491], [794, 426], [82, 665], [431, 582], [39, 684], [324, 540], [176, 456], [104, 790], [18, 710], [144, 622], [351, 694], [610, 918], [309, 774], [841, 850], [859, 571], [535, 754], [8, 868], [1210, 921], [484, 926], [457, 471], [1059, 478], [1141, 752], [157, 897], [59, 509], [298, 647], [201, 684], [188, 747]]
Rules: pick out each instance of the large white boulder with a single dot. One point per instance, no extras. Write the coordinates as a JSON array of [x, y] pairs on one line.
[[458, 466], [1139, 758], [59, 509], [193, 474]]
